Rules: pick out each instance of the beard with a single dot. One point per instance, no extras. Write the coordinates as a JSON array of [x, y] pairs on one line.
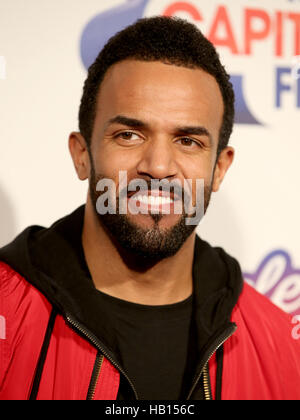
[[151, 244]]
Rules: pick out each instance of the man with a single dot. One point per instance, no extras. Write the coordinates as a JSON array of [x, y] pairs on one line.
[[121, 299]]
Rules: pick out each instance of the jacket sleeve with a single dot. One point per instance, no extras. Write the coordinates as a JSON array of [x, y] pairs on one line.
[[4, 315], [263, 357], [12, 298], [24, 315]]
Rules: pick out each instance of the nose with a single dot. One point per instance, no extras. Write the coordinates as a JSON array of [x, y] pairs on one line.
[[158, 160]]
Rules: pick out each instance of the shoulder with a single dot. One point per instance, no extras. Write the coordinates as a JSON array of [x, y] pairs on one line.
[[259, 316], [21, 304], [265, 336], [262, 358], [15, 290], [24, 315], [255, 307], [12, 284]]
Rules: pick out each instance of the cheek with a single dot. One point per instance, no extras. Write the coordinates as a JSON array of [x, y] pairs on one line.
[[200, 173], [107, 161], [115, 165], [198, 169]]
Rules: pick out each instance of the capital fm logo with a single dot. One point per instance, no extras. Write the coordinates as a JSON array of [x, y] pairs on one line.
[[258, 26]]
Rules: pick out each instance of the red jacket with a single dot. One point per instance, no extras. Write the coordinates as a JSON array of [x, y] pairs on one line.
[[48, 354]]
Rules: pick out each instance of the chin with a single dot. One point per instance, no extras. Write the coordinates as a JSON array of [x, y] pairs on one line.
[[145, 237], [149, 221]]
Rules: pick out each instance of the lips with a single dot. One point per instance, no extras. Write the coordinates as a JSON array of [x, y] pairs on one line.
[[153, 201], [155, 195]]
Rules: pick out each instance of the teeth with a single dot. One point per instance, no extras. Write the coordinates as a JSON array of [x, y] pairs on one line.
[[154, 200]]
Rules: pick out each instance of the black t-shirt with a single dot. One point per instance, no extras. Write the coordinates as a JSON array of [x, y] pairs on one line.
[[152, 343]]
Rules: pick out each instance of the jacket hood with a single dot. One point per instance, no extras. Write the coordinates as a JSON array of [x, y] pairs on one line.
[[52, 260]]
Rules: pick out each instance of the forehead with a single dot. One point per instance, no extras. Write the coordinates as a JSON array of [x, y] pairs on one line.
[[163, 94]]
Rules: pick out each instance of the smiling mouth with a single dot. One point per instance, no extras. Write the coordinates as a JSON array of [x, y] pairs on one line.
[[155, 200]]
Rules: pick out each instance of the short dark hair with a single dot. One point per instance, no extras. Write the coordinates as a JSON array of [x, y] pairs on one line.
[[166, 39]]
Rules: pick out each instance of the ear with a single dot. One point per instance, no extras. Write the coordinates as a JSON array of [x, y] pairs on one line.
[[80, 155], [223, 164]]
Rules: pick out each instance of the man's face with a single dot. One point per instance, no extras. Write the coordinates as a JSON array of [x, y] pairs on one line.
[[155, 122]]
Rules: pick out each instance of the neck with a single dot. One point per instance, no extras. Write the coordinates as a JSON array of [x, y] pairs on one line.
[[162, 282]]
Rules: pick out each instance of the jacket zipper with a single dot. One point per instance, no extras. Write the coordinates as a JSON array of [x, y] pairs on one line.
[[95, 376], [206, 384], [204, 370], [98, 345]]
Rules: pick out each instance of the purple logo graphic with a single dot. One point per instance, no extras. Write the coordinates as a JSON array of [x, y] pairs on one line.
[[242, 113], [103, 26], [277, 279]]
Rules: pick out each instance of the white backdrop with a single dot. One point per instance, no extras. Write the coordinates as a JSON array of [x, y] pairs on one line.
[[43, 48]]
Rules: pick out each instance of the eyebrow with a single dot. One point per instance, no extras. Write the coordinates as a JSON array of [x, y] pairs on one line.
[[184, 130], [194, 130], [130, 122]]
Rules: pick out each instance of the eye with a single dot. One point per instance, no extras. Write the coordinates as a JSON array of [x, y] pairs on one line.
[[188, 142], [128, 135]]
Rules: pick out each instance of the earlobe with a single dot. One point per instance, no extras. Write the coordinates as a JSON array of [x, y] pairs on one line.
[[79, 154], [223, 164]]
